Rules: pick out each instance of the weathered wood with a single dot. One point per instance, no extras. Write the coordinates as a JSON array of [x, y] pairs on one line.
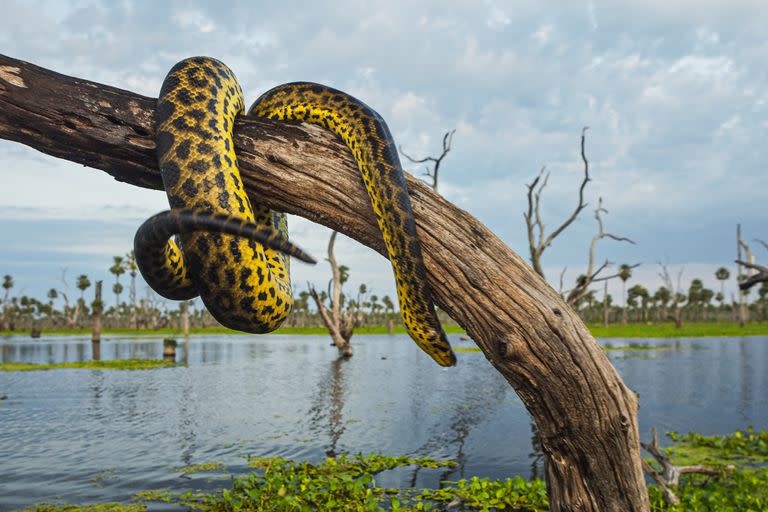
[[587, 417], [98, 307]]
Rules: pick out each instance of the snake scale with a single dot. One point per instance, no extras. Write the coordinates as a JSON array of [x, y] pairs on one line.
[[234, 254]]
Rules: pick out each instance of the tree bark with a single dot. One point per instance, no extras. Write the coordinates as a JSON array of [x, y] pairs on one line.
[[586, 416], [98, 306]]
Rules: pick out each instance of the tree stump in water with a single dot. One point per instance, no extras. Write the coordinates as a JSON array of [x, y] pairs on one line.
[[169, 349]]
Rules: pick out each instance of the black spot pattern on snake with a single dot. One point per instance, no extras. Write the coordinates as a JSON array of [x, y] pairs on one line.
[[244, 280]]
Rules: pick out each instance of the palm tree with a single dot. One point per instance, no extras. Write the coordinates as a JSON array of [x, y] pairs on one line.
[[117, 268], [132, 271], [694, 296], [7, 285], [722, 274], [638, 292], [52, 296], [625, 272], [83, 283], [663, 296], [343, 274], [389, 308]]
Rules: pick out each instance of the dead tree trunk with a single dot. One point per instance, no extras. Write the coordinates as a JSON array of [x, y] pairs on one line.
[[97, 307], [340, 324], [587, 417], [742, 292]]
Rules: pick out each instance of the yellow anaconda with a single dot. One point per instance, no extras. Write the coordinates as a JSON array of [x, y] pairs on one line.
[[235, 255]]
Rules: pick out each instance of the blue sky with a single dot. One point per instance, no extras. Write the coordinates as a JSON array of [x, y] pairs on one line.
[[674, 93]]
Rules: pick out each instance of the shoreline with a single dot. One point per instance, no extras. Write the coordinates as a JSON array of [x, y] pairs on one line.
[[665, 330]]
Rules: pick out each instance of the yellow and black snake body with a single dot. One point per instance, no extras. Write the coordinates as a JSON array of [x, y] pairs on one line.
[[234, 254]]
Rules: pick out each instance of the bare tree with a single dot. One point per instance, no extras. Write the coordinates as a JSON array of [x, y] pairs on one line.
[[538, 240], [433, 173], [750, 280], [676, 292], [520, 323], [70, 313], [340, 323], [592, 275]]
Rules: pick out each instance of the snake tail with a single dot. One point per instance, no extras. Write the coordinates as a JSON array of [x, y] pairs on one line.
[[367, 136]]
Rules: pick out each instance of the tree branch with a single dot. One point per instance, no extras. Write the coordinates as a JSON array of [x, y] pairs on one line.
[[538, 245], [587, 417], [582, 204], [751, 280], [669, 478], [590, 276], [447, 139]]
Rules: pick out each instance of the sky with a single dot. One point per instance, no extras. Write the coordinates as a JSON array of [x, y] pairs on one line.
[[673, 92]]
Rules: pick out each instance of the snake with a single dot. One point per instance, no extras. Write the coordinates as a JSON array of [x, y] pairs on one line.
[[234, 254]]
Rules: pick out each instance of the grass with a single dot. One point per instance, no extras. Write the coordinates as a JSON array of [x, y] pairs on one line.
[[635, 348], [668, 330], [118, 364], [636, 330]]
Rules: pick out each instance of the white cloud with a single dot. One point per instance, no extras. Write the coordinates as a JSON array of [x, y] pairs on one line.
[[543, 34], [195, 20]]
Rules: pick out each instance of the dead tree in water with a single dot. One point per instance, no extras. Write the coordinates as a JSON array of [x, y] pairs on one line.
[[340, 323], [668, 477], [587, 417]]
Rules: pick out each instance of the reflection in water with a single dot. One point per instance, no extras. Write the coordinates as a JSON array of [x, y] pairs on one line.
[[95, 351], [185, 354], [537, 455], [328, 406], [469, 406], [186, 427]]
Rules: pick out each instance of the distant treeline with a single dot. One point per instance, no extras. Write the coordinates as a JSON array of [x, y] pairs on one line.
[[61, 311]]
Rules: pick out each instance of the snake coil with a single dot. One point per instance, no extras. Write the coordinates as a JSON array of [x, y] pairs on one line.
[[234, 254]]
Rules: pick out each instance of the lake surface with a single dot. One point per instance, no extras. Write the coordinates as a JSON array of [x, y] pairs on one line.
[[84, 436]]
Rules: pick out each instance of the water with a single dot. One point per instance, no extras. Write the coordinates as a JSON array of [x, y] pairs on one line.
[[85, 436]]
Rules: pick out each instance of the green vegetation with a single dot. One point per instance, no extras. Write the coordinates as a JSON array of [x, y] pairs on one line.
[[483, 494], [741, 447], [467, 349], [662, 330], [103, 476], [745, 488], [203, 467], [635, 348], [119, 364], [668, 330], [348, 483], [101, 507], [158, 495]]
